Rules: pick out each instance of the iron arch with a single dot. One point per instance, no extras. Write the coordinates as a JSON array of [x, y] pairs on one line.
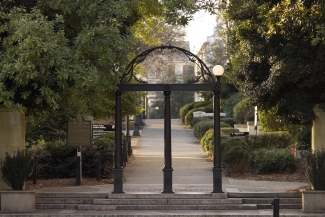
[[210, 83], [205, 73]]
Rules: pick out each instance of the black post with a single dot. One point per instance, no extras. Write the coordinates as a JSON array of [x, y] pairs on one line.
[[118, 169], [128, 137], [168, 169], [35, 170], [276, 206], [136, 126], [217, 168], [98, 167], [78, 170]]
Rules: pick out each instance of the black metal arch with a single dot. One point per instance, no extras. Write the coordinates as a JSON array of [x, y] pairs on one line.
[[211, 83], [205, 73]]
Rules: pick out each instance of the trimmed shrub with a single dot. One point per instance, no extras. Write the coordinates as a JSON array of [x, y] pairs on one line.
[[270, 140], [57, 159], [273, 160], [225, 131], [207, 142], [201, 104], [315, 168], [189, 115], [235, 157], [184, 110], [199, 119], [229, 121], [202, 127]]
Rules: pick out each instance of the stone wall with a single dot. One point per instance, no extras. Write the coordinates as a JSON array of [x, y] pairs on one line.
[[318, 130], [12, 134]]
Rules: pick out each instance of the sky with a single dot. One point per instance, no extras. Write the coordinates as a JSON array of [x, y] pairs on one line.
[[199, 29]]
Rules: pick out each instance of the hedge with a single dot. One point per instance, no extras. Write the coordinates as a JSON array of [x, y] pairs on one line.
[[57, 159], [273, 160], [184, 109], [270, 140]]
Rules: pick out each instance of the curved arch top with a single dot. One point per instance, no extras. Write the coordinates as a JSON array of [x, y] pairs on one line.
[[205, 73]]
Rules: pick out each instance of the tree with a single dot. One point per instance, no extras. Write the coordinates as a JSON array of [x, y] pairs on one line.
[[278, 55], [48, 45]]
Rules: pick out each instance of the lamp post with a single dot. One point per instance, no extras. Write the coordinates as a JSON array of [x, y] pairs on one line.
[[218, 71], [149, 106]]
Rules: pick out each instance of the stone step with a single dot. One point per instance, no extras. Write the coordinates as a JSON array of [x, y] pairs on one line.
[[71, 195], [263, 194], [169, 207], [269, 200], [58, 200], [166, 201], [282, 206]]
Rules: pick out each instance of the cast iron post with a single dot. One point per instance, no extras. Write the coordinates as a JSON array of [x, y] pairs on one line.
[[168, 169], [217, 168], [118, 169], [128, 136], [136, 126]]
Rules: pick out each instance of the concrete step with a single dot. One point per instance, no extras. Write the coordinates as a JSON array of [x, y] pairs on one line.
[[169, 207], [154, 201], [166, 201]]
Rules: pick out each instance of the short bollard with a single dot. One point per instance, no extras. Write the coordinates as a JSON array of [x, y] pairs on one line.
[[78, 170], [276, 206], [98, 168]]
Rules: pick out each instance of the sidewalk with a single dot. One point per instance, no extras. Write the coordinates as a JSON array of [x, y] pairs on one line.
[[192, 174]]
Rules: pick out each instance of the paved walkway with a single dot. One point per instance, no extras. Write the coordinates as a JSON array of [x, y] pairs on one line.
[[192, 173]]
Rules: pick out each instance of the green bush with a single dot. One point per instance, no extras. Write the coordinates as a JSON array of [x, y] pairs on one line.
[[231, 102], [229, 121], [57, 159], [244, 111], [235, 157], [270, 140], [207, 142], [15, 169], [201, 104], [189, 116], [303, 137], [202, 127], [105, 146], [273, 160], [199, 119], [184, 110], [315, 168], [225, 131]]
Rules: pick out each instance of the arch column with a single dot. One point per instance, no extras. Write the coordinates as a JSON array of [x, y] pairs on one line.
[[217, 168], [118, 169], [168, 169]]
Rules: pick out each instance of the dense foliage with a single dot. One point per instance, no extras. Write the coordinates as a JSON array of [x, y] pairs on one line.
[[58, 160], [273, 160], [277, 53], [239, 153]]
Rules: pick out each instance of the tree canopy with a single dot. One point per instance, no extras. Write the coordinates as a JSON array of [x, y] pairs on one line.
[[277, 53], [49, 47]]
